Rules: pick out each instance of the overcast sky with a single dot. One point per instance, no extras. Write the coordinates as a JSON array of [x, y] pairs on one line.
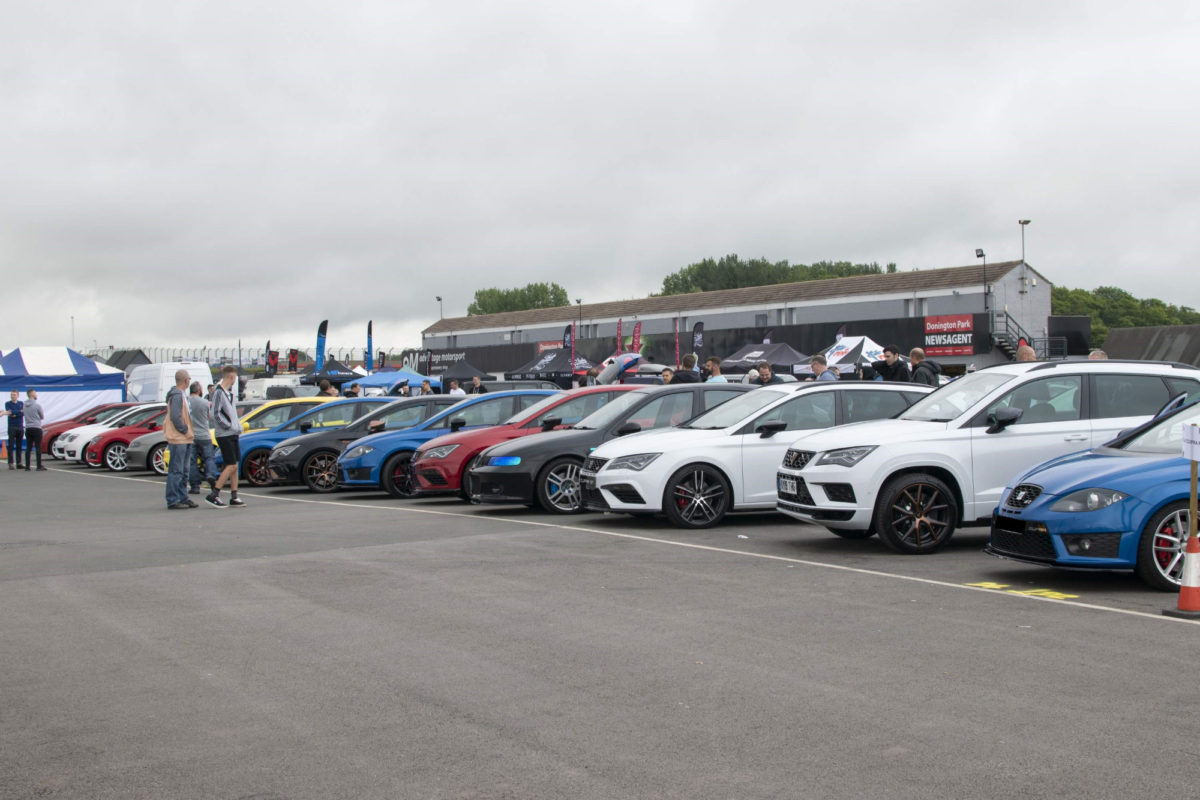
[[190, 173]]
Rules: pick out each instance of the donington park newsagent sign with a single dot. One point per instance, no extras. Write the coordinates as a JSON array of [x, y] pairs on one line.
[[950, 335]]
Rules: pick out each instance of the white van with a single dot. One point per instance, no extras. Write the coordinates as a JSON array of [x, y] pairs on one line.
[[149, 383], [256, 388]]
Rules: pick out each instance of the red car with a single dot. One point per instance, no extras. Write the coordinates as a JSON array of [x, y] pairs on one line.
[[93, 415], [108, 449], [441, 464]]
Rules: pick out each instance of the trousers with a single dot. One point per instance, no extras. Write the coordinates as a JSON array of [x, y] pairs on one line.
[[33, 444]]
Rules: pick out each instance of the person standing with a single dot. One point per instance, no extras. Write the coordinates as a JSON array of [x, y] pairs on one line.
[[923, 370], [667, 375], [477, 386], [713, 366], [687, 374], [353, 391], [1026, 353], [325, 387], [820, 368], [766, 376], [177, 426], [14, 409], [891, 368], [455, 390], [426, 388], [33, 429], [203, 461], [228, 428]]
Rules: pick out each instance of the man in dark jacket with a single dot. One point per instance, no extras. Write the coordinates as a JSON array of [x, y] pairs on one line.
[[766, 377], [687, 374], [891, 368], [923, 370]]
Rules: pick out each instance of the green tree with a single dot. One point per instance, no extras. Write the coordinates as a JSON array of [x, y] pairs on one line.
[[731, 272], [1110, 307], [533, 295]]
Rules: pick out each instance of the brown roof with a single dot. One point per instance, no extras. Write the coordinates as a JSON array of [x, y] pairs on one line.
[[771, 295]]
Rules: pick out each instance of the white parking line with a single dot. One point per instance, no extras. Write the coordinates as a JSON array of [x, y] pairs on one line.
[[689, 545]]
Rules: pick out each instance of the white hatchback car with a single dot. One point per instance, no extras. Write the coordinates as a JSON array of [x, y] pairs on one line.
[[946, 460], [726, 458], [72, 445]]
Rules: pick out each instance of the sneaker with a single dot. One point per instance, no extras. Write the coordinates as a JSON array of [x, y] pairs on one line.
[[194, 491], [10, 466], [214, 501], [236, 501], [176, 506], [191, 504]]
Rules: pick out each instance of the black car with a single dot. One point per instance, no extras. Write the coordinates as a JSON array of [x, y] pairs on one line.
[[544, 468], [311, 459]]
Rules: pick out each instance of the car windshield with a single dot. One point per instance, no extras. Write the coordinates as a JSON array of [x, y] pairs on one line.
[[951, 400], [735, 411], [109, 413], [1165, 437], [535, 409], [616, 408]]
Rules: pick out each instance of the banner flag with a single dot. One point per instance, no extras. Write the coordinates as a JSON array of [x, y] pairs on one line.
[[620, 341], [635, 346], [677, 343], [324, 326], [698, 341], [293, 359], [370, 354]]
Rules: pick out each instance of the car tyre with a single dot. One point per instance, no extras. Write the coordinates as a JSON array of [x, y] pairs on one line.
[[465, 487], [114, 457], [320, 471], [398, 477], [915, 514], [156, 461], [1160, 548], [50, 447], [255, 470], [697, 496], [558, 488]]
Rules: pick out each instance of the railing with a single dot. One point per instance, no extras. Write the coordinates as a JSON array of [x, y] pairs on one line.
[[1050, 348], [250, 356]]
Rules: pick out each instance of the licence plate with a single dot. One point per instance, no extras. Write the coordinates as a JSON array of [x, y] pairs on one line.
[[787, 485]]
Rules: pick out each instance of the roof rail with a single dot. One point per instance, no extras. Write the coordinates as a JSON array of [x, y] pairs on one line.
[[1057, 364]]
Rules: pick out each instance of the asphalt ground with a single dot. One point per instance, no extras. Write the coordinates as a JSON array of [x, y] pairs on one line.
[[355, 646]]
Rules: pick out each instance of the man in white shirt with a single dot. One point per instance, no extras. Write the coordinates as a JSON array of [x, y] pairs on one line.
[[454, 389]]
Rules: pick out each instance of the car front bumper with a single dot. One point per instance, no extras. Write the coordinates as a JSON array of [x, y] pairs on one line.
[[1106, 539], [623, 490], [436, 476], [810, 502], [501, 485]]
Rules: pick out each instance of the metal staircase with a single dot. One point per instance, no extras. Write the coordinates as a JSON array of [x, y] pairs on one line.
[[1007, 334]]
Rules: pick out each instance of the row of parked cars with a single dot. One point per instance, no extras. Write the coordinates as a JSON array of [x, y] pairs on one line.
[[1071, 463]]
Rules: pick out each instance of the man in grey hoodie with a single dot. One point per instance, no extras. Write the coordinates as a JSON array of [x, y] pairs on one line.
[[228, 428]]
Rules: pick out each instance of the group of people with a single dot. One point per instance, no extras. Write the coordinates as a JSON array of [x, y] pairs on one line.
[[24, 427], [190, 424], [891, 367]]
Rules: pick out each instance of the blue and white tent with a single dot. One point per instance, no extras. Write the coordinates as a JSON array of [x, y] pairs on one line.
[[389, 381], [67, 383]]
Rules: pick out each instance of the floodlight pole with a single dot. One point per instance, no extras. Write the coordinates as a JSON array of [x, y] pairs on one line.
[[1023, 223]]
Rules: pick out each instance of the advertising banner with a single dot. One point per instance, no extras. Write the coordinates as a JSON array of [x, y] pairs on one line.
[[369, 355], [635, 346], [293, 359], [320, 362], [950, 335], [698, 341]]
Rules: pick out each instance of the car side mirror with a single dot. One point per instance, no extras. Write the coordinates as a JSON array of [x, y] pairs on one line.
[[628, 428], [550, 423], [1002, 418], [90, 421], [245, 427], [305, 427], [151, 426], [769, 429], [457, 423]]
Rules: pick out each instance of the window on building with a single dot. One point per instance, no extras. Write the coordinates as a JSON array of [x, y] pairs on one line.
[[760, 320]]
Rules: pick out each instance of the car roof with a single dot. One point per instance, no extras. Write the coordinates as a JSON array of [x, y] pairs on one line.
[[1084, 365]]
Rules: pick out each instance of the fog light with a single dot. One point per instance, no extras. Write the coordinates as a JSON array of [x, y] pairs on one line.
[[1035, 527]]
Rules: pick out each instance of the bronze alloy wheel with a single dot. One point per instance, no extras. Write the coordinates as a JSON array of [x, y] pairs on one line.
[[916, 513], [320, 471], [255, 469]]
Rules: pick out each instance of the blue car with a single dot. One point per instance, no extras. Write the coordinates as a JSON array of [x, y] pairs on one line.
[[383, 460], [1121, 506], [256, 446]]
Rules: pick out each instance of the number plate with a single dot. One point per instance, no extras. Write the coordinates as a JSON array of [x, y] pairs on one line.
[[787, 485]]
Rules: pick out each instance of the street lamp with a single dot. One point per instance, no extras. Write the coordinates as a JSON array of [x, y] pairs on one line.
[[579, 303], [980, 254], [439, 299], [1023, 223]]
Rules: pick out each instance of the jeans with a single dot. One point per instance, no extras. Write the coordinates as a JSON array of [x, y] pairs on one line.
[[15, 437], [33, 444], [204, 463], [181, 457]]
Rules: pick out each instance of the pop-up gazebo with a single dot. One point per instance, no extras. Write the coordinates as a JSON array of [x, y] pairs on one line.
[[67, 382]]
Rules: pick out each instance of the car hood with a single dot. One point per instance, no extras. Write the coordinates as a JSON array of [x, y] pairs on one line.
[[878, 432], [149, 439], [564, 441], [1107, 469], [660, 441], [476, 435], [88, 431], [321, 436]]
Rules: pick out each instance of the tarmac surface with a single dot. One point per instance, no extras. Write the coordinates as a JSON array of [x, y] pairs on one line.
[[356, 646]]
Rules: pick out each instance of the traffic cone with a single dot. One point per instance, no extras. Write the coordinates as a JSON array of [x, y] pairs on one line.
[[1189, 590], [4, 449]]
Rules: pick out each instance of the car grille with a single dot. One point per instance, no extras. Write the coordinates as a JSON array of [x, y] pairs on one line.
[[797, 459], [593, 464], [434, 477], [1009, 536], [802, 495], [1022, 495]]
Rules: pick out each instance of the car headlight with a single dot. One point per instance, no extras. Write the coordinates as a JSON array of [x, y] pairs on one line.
[[847, 456], [504, 461], [94, 441], [359, 451], [70, 437], [636, 462], [439, 452], [286, 450], [1088, 500]]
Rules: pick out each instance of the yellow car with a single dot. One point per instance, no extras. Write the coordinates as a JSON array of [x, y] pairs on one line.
[[270, 414]]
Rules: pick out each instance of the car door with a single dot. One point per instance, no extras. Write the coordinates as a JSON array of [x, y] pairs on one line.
[[761, 456], [1053, 422], [1120, 402]]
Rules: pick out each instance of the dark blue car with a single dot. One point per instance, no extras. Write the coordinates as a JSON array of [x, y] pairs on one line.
[[384, 460], [1121, 506]]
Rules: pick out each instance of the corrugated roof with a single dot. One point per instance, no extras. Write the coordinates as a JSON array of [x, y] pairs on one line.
[[771, 295]]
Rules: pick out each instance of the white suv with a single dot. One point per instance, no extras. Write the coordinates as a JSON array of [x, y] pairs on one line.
[[945, 461], [725, 459]]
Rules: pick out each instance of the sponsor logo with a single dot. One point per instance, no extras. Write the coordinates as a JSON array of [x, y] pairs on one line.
[[950, 335]]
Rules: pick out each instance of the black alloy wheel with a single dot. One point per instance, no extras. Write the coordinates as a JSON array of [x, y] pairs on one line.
[[398, 478], [915, 514], [697, 496], [255, 469]]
